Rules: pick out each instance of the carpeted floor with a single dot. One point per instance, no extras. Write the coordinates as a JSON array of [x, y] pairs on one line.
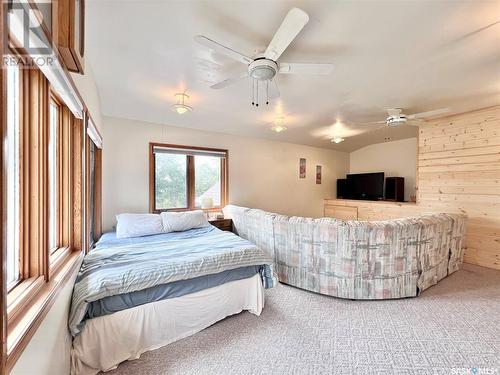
[[452, 328]]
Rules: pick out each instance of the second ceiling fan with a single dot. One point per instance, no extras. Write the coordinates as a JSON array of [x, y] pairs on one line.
[[265, 66]]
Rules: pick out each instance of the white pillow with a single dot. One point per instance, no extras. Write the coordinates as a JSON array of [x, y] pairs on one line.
[[137, 225], [180, 221]]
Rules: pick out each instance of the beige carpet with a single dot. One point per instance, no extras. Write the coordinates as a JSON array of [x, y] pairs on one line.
[[452, 328]]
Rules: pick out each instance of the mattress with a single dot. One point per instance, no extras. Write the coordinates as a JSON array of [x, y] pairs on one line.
[[112, 304]]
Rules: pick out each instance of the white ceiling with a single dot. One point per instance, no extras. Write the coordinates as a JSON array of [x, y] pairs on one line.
[[417, 55]]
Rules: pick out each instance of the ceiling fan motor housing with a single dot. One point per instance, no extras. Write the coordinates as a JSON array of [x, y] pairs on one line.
[[396, 120], [262, 69]]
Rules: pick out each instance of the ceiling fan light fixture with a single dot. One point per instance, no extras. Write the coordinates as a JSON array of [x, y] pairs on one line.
[[337, 139], [278, 128], [180, 107], [262, 69]]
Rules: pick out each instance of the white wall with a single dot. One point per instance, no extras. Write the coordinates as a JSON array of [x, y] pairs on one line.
[[48, 352], [396, 159], [262, 173]]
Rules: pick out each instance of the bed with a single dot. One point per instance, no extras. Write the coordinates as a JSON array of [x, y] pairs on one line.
[[138, 294]]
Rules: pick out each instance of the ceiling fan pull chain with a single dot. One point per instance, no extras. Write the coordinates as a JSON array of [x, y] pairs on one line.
[[253, 92], [257, 93], [267, 92]]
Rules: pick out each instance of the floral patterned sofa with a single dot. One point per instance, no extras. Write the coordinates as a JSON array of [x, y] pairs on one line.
[[356, 259]]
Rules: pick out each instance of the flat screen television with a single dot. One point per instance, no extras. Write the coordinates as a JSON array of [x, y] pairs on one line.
[[369, 186]]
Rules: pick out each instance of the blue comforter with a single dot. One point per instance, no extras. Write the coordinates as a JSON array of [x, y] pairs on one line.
[[119, 266]]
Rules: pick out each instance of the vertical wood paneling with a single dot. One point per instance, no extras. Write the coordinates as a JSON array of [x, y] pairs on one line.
[[459, 160]]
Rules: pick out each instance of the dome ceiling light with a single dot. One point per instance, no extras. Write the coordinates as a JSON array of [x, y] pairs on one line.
[[278, 126], [181, 107]]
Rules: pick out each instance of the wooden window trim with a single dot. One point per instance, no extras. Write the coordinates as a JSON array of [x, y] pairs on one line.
[[42, 296], [97, 193], [65, 181], [21, 114], [31, 299], [42, 276], [53, 98], [190, 177]]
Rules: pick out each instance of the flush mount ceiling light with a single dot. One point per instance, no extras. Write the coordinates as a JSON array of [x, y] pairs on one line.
[[180, 107], [337, 140], [278, 126]]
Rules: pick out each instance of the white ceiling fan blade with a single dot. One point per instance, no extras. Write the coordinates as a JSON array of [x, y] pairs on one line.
[[294, 21], [203, 40], [229, 81], [433, 113], [274, 91], [374, 123], [306, 68]]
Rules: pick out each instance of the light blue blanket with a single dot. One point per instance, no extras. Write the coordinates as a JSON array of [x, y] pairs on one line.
[[123, 266]]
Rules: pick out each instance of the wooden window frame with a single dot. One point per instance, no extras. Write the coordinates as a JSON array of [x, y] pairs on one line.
[[190, 176], [97, 193], [65, 180], [27, 304], [21, 78], [42, 273]]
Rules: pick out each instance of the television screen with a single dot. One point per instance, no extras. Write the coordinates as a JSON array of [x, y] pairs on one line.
[[368, 186]]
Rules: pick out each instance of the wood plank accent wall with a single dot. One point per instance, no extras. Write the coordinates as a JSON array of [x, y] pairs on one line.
[[458, 172]]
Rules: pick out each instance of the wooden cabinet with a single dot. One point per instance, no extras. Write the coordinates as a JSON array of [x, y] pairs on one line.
[[341, 212], [68, 30], [222, 224]]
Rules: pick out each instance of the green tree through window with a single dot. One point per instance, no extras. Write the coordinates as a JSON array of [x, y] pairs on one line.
[[176, 174], [171, 181]]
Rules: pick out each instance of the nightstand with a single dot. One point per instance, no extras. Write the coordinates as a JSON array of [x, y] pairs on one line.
[[222, 224]]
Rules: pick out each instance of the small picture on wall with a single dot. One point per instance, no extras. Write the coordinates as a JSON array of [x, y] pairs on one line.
[[318, 174], [302, 168]]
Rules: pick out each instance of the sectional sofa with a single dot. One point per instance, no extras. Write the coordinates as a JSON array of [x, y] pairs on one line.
[[356, 259]]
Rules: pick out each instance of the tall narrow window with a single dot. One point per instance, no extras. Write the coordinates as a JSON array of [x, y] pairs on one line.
[[53, 176], [13, 175], [182, 177], [92, 192]]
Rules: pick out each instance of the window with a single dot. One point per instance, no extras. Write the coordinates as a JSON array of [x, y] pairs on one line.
[[182, 177], [44, 173], [13, 175], [53, 169], [94, 177], [208, 181], [92, 192]]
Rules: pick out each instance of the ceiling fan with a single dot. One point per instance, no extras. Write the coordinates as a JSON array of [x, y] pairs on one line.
[[265, 66], [396, 117]]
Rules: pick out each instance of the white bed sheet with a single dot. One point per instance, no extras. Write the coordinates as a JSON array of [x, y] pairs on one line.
[[108, 340]]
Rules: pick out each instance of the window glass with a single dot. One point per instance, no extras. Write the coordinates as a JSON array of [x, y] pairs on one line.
[[13, 175], [53, 178], [207, 179], [170, 181]]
